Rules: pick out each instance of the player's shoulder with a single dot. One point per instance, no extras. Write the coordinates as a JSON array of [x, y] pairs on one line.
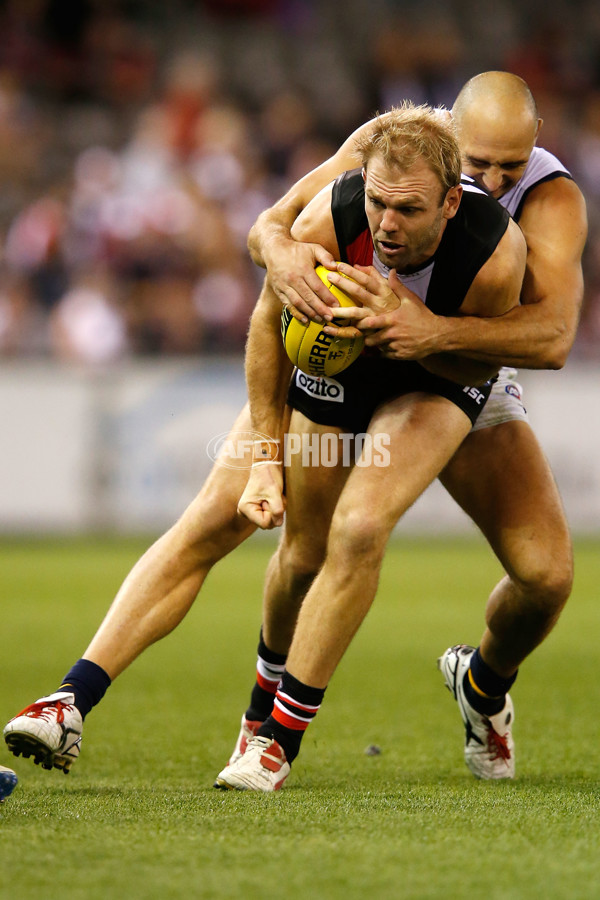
[[348, 193], [349, 183], [554, 215], [551, 204], [545, 177], [559, 189]]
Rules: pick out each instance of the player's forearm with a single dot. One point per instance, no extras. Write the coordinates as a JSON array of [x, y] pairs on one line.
[[268, 382], [268, 368], [272, 226], [525, 337]]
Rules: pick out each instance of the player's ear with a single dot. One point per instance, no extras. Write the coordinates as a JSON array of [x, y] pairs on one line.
[[452, 201], [540, 122], [364, 173]]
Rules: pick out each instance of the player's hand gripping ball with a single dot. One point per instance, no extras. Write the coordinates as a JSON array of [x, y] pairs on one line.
[[313, 351]]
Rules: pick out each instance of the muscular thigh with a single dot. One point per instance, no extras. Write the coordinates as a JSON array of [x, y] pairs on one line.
[[422, 431], [502, 480]]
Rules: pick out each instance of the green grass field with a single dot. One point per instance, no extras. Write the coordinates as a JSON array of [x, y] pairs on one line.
[[138, 816]]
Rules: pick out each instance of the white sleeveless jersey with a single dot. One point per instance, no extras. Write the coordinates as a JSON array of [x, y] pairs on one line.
[[542, 166]]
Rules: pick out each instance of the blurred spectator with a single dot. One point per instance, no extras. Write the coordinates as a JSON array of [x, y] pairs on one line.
[[424, 61], [87, 328]]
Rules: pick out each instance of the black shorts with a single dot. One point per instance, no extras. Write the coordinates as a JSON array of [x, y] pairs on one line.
[[350, 399]]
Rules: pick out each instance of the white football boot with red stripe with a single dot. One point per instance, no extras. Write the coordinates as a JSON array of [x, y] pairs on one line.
[[49, 730], [248, 729], [263, 767], [489, 745]]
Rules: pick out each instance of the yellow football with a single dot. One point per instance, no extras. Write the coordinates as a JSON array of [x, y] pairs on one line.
[[313, 351]]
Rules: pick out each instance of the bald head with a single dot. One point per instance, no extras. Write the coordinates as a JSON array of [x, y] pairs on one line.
[[495, 95], [496, 123]]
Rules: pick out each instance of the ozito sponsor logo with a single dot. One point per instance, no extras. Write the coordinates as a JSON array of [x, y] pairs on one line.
[[320, 386]]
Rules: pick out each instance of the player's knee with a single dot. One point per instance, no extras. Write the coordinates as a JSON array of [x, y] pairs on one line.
[[558, 583], [301, 556], [548, 581], [208, 531], [358, 536]]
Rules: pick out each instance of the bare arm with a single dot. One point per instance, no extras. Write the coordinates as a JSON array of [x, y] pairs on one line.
[[268, 371], [554, 222], [267, 366], [291, 263]]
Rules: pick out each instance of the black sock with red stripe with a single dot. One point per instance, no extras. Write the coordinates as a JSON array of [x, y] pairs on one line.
[[296, 705], [269, 669]]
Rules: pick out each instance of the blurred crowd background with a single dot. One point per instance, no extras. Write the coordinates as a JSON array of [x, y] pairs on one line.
[[139, 140]]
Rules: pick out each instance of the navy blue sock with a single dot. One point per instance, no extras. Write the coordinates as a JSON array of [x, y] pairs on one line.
[[88, 682], [494, 686]]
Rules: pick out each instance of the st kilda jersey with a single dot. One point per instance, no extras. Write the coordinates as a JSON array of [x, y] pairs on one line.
[[468, 241]]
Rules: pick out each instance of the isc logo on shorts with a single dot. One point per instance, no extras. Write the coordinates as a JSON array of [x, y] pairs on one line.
[[320, 386]]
